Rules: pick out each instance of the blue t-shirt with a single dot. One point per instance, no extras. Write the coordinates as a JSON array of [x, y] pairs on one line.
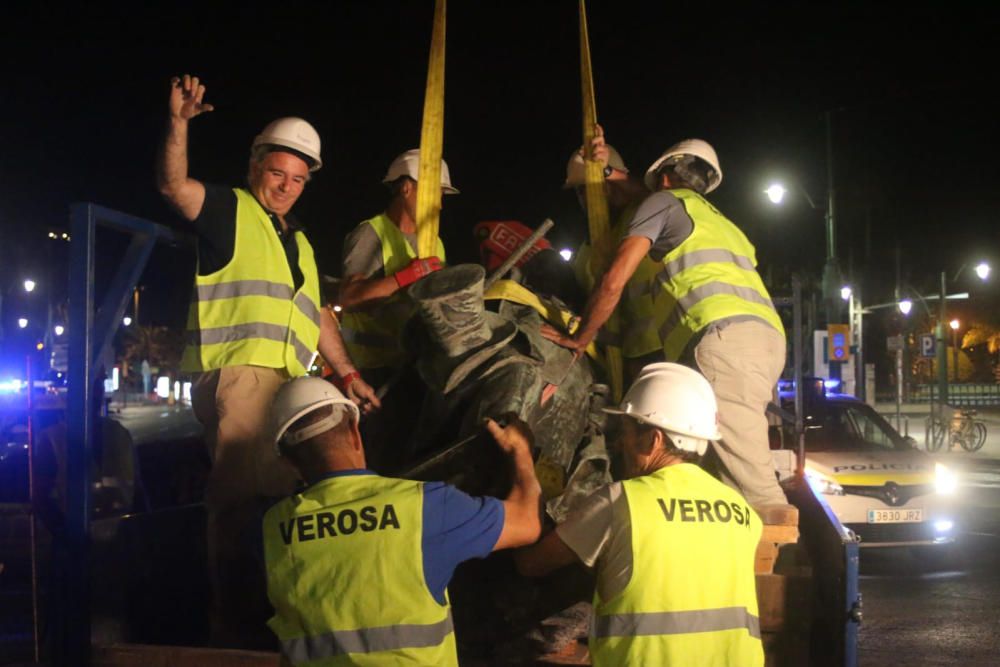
[[456, 528]]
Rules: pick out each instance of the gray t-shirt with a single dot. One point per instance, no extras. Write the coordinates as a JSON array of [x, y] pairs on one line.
[[599, 532], [662, 219], [363, 252]]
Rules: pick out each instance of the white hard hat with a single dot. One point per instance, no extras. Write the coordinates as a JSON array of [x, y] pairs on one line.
[[678, 400], [576, 172], [293, 133], [300, 396], [693, 147], [408, 164]]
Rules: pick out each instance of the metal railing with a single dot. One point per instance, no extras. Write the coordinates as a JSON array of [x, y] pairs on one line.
[[964, 394]]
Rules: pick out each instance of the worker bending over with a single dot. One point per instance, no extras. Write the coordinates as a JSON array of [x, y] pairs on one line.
[[255, 320], [673, 548], [711, 307], [358, 564]]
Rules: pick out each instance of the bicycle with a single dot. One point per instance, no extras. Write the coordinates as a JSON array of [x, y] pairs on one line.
[[962, 429], [935, 430], [967, 431]]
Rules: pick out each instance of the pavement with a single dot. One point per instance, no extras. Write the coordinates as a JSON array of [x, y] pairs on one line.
[[152, 422]]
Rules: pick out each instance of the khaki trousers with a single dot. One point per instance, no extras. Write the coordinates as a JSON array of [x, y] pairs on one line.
[[233, 404], [743, 361]]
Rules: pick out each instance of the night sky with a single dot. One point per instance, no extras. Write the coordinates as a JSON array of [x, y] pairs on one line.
[[916, 137]]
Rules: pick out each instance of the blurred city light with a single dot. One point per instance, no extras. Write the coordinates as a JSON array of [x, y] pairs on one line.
[[127, 321], [22, 322], [163, 386], [29, 285], [983, 270], [59, 329], [337, 309], [845, 292], [775, 192], [905, 306], [39, 345], [954, 324], [566, 254]]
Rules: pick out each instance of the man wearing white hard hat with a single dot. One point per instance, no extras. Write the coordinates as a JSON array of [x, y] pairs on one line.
[[358, 564], [379, 259], [672, 547], [256, 319], [637, 336], [711, 307]]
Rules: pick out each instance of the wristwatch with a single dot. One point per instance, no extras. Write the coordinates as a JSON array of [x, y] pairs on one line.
[[608, 170]]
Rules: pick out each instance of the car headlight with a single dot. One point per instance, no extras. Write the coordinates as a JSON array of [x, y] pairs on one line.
[[945, 481], [823, 484]]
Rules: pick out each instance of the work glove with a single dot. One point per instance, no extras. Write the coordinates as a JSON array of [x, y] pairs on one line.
[[417, 269]]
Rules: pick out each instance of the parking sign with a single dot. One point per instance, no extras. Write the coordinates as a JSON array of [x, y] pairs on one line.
[[928, 347]]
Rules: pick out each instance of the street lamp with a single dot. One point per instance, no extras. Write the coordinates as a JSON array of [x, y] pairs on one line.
[[29, 285], [905, 306], [59, 329], [127, 321], [982, 271], [845, 292], [22, 322], [775, 192]]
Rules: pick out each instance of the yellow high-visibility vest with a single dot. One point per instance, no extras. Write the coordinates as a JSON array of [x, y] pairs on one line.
[[692, 597], [249, 312], [372, 334], [710, 276], [345, 576], [638, 336]]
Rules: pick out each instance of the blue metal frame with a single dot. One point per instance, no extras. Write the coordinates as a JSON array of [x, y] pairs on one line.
[[90, 335]]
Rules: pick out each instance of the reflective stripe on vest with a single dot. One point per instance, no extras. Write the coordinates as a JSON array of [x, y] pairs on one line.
[[345, 576], [372, 335], [638, 336], [692, 596], [248, 312], [709, 277], [677, 622], [366, 640]]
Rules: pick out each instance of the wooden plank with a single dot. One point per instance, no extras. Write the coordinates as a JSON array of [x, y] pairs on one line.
[[144, 655], [767, 553], [780, 534]]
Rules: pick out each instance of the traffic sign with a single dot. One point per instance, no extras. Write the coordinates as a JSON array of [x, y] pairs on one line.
[[838, 342], [894, 343], [928, 345]]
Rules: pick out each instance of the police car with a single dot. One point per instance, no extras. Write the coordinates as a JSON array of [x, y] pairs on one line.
[[880, 486]]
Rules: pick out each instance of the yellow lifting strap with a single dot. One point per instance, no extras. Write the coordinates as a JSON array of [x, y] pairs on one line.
[[431, 142], [598, 217], [508, 290]]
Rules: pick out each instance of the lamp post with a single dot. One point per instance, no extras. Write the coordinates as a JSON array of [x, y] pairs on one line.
[[982, 271], [831, 271], [954, 324]]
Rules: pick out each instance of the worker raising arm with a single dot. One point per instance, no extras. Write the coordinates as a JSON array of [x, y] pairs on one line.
[[711, 308], [255, 320]]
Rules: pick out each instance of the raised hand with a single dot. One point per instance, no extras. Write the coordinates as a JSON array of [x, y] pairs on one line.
[[186, 95]]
